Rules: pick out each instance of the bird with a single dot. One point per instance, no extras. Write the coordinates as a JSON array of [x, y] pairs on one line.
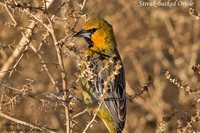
[[103, 62]]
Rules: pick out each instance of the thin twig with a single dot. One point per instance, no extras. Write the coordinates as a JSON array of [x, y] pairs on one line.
[[83, 5], [63, 75], [18, 51], [25, 123], [180, 84], [11, 16], [80, 113], [46, 96], [145, 88], [61, 65], [45, 68], [21, 56], [20, 47], [194, 13]]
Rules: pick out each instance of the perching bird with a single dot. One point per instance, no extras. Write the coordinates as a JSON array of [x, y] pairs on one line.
[[103, 73]]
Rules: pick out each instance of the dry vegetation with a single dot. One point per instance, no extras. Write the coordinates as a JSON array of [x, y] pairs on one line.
[[160, 49]]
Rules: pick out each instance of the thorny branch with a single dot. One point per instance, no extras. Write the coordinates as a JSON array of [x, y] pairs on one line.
[[145, 88], [22, 43], [194, 13], [45, 67], [83, 5], [180, 84], [61, 65], [25, 123], [11, 16], [24, 92]]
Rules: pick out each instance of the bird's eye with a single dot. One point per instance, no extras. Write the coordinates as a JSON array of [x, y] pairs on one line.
[[93, 30]]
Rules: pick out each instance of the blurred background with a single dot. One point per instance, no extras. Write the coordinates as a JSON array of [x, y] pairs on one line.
[[151, 40]]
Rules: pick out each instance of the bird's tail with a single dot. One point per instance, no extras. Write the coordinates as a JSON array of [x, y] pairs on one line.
[[119, 131]]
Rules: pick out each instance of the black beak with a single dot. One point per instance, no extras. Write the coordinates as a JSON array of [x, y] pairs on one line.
[[83, 33], [86, 35]]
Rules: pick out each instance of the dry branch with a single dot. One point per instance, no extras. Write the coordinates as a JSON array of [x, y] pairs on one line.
[[25, 123], [25, 40], [50, 28]]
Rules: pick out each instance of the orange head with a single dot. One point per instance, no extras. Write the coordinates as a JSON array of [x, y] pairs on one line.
[[99, 35]]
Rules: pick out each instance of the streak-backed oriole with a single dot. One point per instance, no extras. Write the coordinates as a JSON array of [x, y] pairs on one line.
[[102, 57]]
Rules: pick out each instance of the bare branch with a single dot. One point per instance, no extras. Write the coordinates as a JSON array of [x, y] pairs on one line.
[[21, 45], [25, 123], [80, 113], [194, 13], [83, 5], [11, 16], [45, 68]]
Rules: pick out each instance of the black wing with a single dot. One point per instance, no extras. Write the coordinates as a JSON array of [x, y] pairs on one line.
[[115, 102]]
